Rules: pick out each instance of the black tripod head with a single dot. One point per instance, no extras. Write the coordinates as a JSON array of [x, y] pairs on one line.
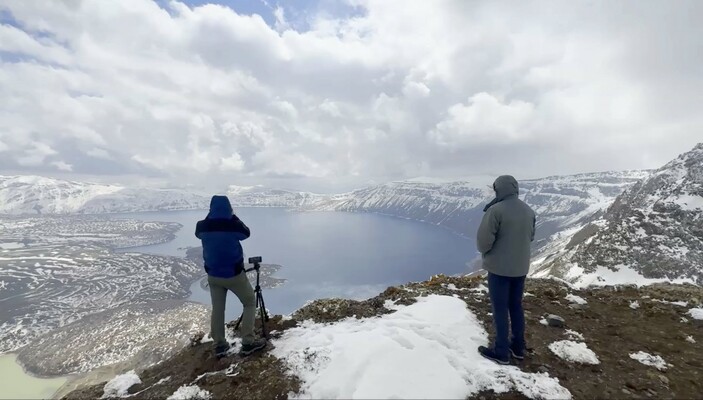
[[256, 261]]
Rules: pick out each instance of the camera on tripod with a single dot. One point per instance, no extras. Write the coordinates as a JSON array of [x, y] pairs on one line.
[[259, 296]]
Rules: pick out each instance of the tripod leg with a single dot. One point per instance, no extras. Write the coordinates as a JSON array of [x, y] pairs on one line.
[[264, 317], [239, 321]]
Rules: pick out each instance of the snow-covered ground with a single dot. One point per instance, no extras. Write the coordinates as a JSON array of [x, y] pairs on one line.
[[576, 299], [619, 275], [572, 351], [651, 360], [696, 313], [425, 350], [118, 386], [190, 392]]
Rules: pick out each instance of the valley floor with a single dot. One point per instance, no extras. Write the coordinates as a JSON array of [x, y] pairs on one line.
[[617, 342]]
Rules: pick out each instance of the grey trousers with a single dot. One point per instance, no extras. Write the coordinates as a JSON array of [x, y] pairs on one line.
[[240, 286]]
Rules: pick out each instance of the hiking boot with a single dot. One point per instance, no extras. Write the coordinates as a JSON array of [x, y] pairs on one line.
[[517, 353], [222, 350], [491, 355], [252, 347]]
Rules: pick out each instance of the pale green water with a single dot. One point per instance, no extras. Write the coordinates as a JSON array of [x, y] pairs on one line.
[[17, 384]]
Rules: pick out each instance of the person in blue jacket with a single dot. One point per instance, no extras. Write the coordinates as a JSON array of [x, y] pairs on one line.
[[221, 233]]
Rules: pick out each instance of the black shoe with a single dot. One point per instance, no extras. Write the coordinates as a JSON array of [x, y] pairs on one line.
[[222, 350], [491, 355], [252, 347], [516, 353]]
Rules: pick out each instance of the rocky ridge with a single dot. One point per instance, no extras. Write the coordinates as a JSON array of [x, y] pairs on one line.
[[654, 230], [604, 319]]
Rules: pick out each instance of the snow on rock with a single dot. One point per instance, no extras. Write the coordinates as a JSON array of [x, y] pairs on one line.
[[696, 313], [634, 305], [576, 299], [544, 321], [690, 339], [119, 385], [676, 303], [190, 392], [574, 352], [574, 335], [424, 350], [648, 359], [618, 275]]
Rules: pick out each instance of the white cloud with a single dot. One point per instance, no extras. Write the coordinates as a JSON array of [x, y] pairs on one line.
[[98, 153], [62, 166], [232, 163], [394, 90], [485, 119], [35, 155]]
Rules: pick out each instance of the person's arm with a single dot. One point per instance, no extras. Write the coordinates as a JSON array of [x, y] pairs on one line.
[[198, 229], [240, 229], [487, 231], [534, 222]]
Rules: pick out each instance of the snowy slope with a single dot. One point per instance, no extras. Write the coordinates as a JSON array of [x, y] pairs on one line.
[[652, 232], [426, 350], [560, 202], [35, 194], [40, 195]]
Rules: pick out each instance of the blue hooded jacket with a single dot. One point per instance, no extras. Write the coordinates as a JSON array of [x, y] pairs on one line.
[[221, 232]]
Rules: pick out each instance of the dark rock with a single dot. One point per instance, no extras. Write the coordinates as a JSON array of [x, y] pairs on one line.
[[556, 321]]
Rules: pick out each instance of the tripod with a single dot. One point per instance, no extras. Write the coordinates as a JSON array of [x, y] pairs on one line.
[[259, 298]]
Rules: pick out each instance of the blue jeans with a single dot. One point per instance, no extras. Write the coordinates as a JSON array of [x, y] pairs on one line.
[[506, 299]]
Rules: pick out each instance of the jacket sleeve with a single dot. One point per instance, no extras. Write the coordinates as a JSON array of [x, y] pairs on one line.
[[487, 231], [241, 230], [197, 229]]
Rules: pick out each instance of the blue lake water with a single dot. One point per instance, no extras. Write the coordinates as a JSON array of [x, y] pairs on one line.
[[328, 254]]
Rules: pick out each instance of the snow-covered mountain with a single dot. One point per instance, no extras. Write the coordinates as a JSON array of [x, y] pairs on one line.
[[259, 196], [653, 231], [40, 195], [561, 202]]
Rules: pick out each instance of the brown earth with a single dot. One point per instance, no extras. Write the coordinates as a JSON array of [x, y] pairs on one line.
[[610, 327]]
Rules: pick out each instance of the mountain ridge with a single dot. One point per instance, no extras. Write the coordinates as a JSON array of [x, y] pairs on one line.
[[652, 231]]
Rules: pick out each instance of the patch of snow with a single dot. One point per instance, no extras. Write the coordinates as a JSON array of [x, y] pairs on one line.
[[118, 386], [380, 357], [206, 339], [696, 313], [390, 305], [574, 335], [648, 359], [544, 321], [622, 275], [190, 392], [11, 245], [576, 299], [452, 286], [481, 288], [528, 294], [684, 320], [676, 303], [634, 305], [574, 352], [690, 202], [690, 339]]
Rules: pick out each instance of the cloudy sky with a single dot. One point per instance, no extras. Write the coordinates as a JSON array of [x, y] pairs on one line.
[[322, 95]]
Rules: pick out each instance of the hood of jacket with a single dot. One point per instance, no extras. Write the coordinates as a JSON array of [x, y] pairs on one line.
[[505, 187], [220, 208]]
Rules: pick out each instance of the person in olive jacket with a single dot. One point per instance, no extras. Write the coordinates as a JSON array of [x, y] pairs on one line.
[[504, 239]]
